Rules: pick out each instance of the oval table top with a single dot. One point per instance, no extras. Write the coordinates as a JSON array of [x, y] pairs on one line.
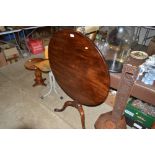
[[79, 67]]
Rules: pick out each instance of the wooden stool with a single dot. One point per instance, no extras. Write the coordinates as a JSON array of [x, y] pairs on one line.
[[30, 65]]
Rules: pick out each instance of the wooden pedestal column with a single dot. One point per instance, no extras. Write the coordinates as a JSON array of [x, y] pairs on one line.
[[115, 119]]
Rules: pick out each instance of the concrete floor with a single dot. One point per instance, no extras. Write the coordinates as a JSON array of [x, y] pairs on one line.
[[22, 108]]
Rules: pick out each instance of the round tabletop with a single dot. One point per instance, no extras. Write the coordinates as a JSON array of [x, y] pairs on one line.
[[44, 66], [79, 67], [30, 64]]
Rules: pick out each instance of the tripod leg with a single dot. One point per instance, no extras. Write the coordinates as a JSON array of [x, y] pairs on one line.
[[81, 111], [66, 104], [76, 105]]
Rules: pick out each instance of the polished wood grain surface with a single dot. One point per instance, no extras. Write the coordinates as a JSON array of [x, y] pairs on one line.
[[79, 67], [30, 64]]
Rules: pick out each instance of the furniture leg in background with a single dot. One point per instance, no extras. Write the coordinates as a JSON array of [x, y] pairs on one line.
[[52, 86], [38, 78]]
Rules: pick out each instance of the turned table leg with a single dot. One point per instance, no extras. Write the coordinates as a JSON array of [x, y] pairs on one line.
[[38, 78]]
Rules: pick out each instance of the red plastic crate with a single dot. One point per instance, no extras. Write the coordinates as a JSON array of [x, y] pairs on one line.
[[35, 45]]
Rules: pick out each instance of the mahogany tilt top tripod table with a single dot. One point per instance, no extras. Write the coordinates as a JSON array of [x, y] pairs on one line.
[[79, 69]]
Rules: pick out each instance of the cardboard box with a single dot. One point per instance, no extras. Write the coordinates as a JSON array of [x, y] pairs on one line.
[[9, 53], [2, 59]]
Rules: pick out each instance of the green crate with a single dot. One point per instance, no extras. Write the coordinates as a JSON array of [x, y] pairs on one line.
[[138, 116]]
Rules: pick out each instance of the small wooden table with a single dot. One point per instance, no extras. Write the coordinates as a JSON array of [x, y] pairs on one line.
[[30, 65]]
